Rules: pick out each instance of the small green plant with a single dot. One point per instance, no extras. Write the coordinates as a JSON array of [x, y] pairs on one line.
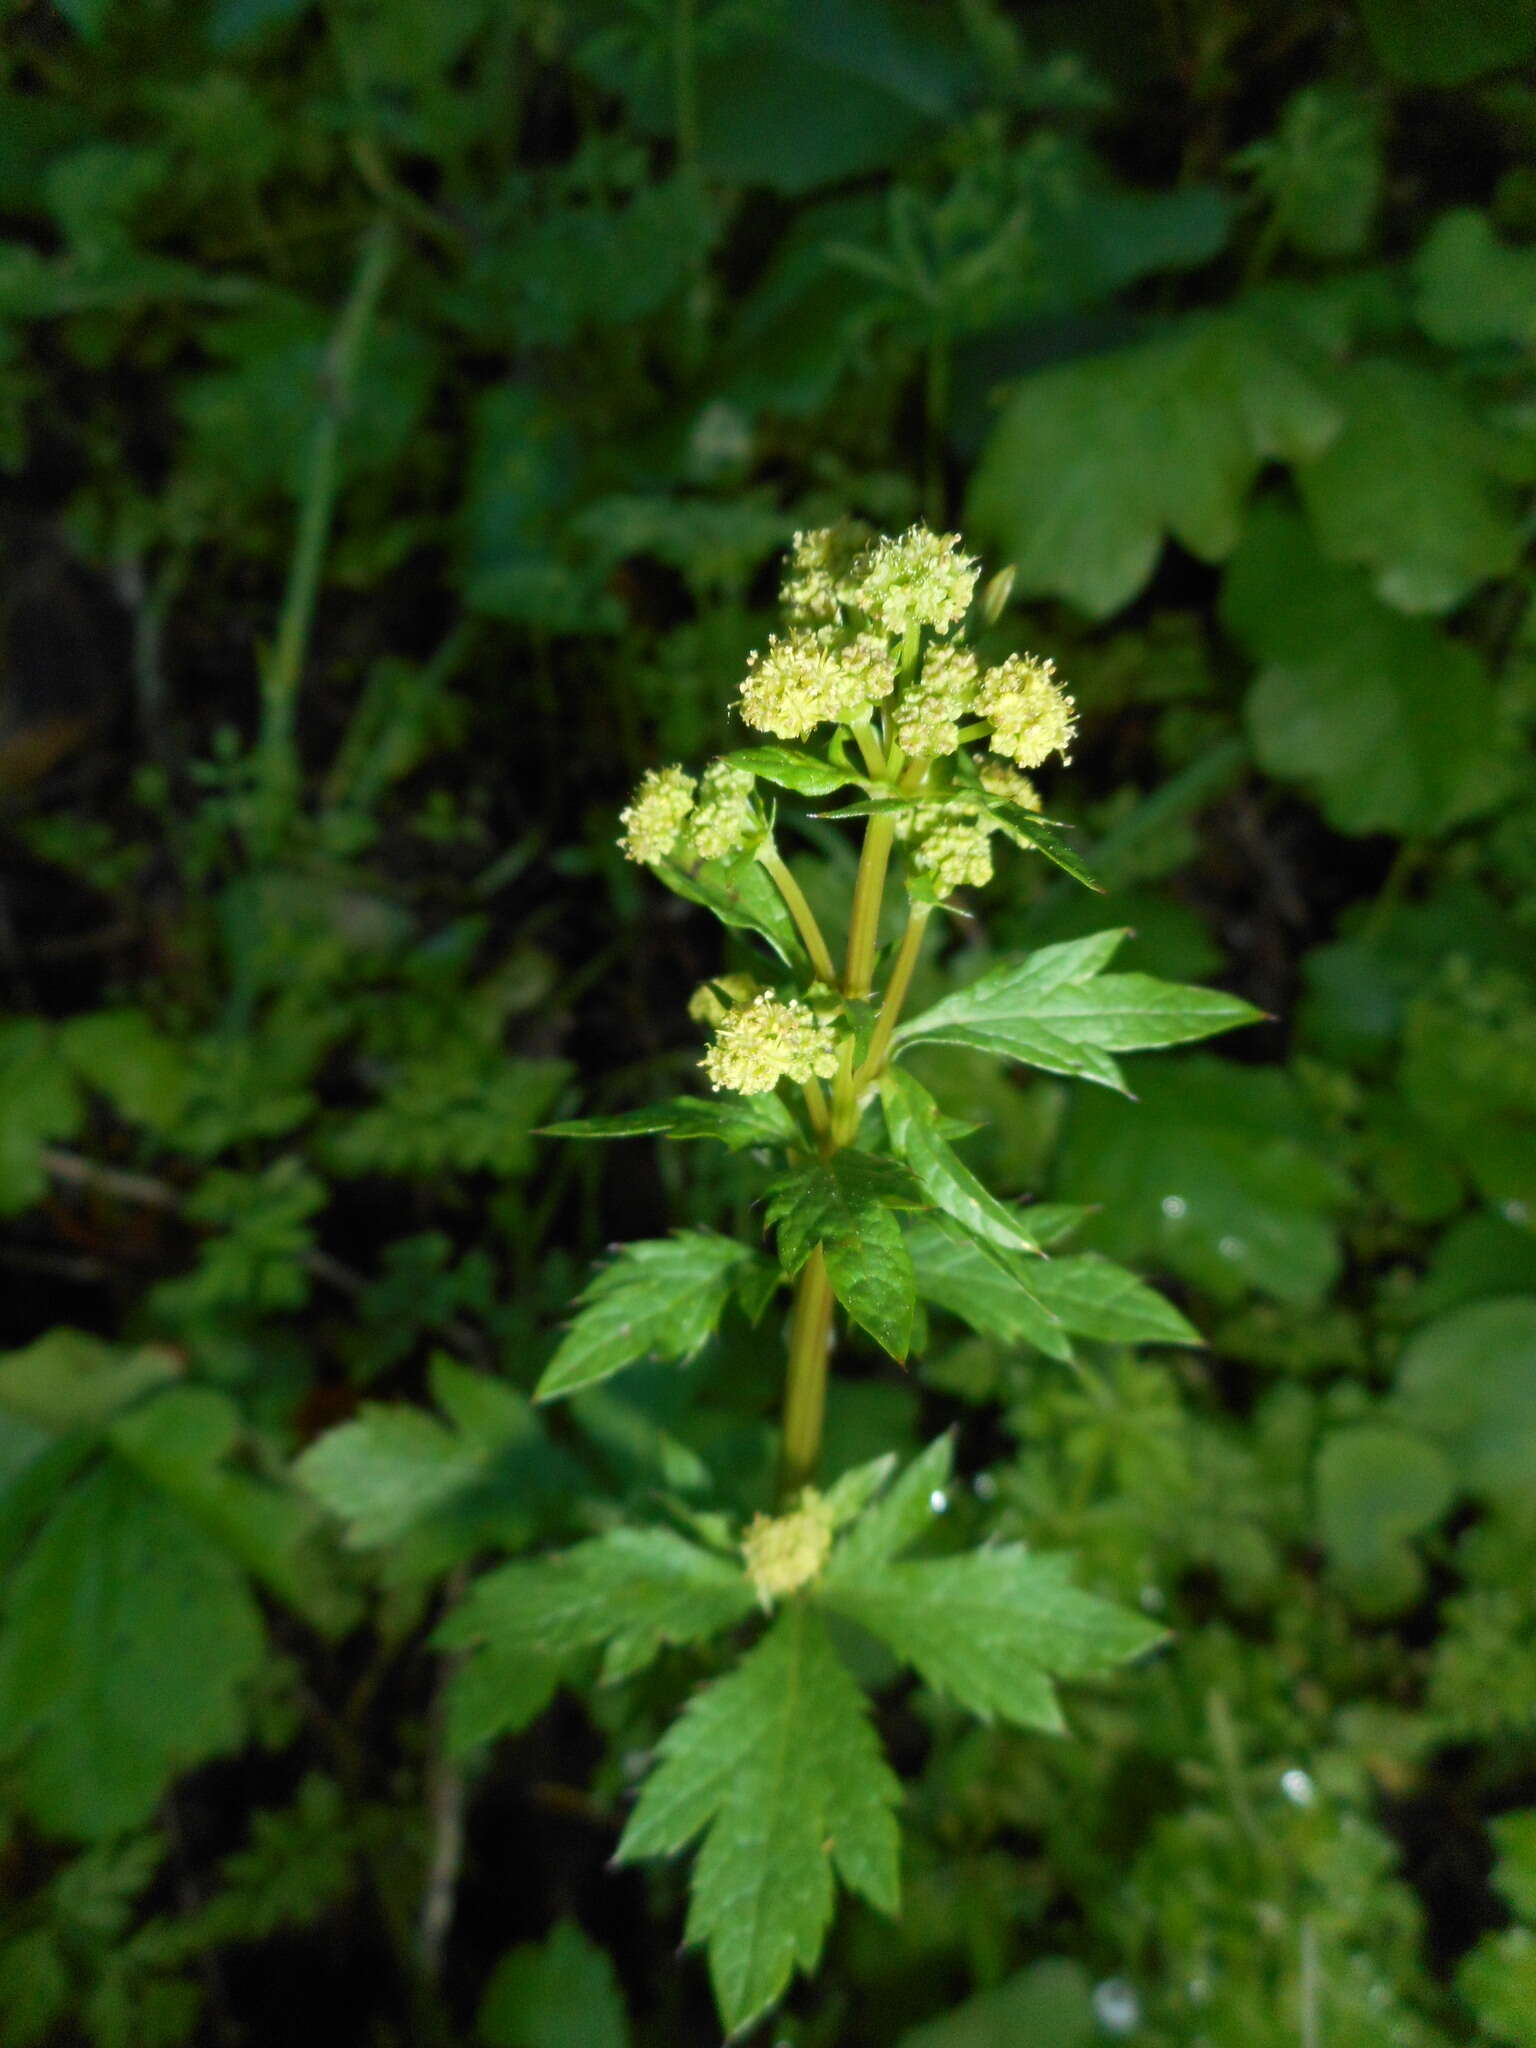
[[774, 1767]]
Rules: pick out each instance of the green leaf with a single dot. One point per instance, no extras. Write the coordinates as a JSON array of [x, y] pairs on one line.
[[1467, 1381], [793, 768], [452, 1109], [39, 1102], [1094, 463], [1498, 1981], [1471, 289], [1049, 2004], [127, 1638], [394, 1469], [990, 1289], [741, 894], [1218, 1173], [1514, 1875], [1426, 43], [1390, 725], [68, 1380], [1415, 488], [1376, 1489], [991, 1628], [660, 1298], [912, 1118], [1030, 831], [844, 1205], [182, 1441], [124, 1055], [1321, 170], [738, 1122], [554, 1994], [904, 1512], [629, 1594], [1057, 1010], [777, 1766], [1094, 1297]]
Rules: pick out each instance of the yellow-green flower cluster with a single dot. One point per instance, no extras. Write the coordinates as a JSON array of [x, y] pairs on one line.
[[956, 854], [724, 817], [785, 1552], [818, 581], [998, 779], [929, 716], [800, 681], [767, 1041], [1031, 716], [655, 814], [917, 579]]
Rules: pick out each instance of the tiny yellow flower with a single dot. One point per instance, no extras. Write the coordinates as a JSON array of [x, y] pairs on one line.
[[998, 779], [655, 814], [1031, 716], [917, 579], [724, 817], [816, 584], [785, 1552], [931, 710], [766, 1041], [790, 684], [956, 854]]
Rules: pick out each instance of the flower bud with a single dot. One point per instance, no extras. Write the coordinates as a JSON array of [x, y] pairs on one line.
[[785, 1552]]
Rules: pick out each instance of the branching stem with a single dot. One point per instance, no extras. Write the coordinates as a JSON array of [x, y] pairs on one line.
[[801, 912], [902, 970]]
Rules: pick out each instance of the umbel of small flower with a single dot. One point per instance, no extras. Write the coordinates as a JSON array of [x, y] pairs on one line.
[[656, 814], [761, 1043], [785, 1552]]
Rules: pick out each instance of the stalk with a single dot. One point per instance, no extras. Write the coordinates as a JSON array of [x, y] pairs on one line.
[[902, 970], [280, 682], [801, 912], [805, 1392]]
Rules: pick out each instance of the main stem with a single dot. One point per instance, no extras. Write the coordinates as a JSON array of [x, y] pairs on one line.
[[810, 1330]]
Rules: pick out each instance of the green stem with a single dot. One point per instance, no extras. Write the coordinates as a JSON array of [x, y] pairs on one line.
[[868, 894], [279, 774], [902, 970], [805, 1393], [801, 912], [816, 1108]]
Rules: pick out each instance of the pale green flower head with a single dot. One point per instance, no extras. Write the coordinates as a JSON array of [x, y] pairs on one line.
[[725, 817], [956, 854], [917, 579], [818, 581], [785, 1552], [1031, 716], [998, 779], [655, 814], [931, 711], [801, 680], [767, 1041]]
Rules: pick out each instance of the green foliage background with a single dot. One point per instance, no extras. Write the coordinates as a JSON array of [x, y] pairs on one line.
[[402, 407]]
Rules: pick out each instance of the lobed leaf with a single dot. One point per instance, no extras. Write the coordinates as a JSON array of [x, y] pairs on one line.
[[660, 1298]]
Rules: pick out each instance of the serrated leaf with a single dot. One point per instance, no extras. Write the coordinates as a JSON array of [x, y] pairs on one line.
[[903, 1513], [1029, 830], [1163, 439], [912, 1118], [991, 1628], [777, 1766], [990, 1289], [127, 1638], [1390, 725], [793, 768], [1321, 170], [1058, 1011], [661, 1298], [629, 1593], [1048, 2005], [741, 894], [737, 1122], [394, 1471], [843, 1204]]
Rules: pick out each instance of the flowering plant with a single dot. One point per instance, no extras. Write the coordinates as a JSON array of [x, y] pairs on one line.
[[774, 1765]]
